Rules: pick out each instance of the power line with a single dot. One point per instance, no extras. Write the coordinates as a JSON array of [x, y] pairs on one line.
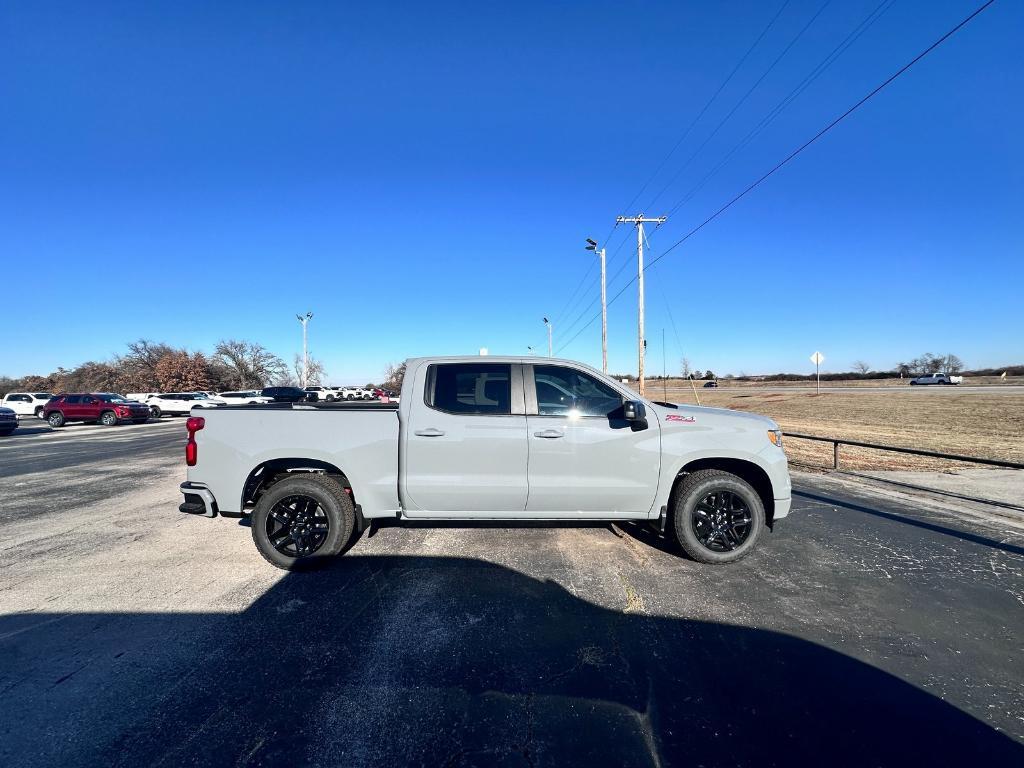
[[566, 310], [742, 100], [796, 152], [708, 104], [773, 113]]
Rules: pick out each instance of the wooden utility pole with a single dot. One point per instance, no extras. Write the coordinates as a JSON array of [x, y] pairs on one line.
[[639, 221]]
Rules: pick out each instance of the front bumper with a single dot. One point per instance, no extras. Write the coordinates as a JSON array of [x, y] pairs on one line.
[[782, 508], [198, 500]]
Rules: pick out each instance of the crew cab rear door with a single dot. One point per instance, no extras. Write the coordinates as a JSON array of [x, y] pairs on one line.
[[465, 443], [585, 459]]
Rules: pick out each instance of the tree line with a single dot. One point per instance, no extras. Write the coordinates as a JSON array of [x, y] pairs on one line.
[[158, 367]]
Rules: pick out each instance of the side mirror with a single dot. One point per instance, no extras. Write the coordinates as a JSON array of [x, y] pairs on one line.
[[633, 410]]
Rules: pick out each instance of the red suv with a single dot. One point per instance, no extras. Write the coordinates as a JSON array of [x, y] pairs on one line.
[[106, 408]]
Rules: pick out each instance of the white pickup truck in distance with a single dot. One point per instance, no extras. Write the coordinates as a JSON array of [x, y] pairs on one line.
[[488, 439], [936, 378]]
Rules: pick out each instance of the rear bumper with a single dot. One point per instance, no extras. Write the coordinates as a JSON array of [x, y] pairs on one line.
[[198, 500]]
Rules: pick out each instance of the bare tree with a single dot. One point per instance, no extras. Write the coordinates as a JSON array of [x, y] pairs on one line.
[[685, 366], [953, 364], [249, 364], [394, 376], [314, 374], [861, 367]]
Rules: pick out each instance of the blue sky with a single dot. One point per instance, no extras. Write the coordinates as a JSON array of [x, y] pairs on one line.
[[422, 176]]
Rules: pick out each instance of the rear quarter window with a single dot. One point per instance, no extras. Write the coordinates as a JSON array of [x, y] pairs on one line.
[[470, 388]]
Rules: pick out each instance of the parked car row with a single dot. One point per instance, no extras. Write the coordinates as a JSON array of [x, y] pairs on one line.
[[330, 394], [110, 408]]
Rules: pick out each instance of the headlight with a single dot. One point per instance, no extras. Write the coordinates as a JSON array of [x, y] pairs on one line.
[[775, 436]]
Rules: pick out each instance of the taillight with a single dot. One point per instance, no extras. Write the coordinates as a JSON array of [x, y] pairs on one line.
[[193, 425]]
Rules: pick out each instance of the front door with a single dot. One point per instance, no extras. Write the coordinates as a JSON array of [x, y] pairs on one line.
[[465, 446], [585, 459]]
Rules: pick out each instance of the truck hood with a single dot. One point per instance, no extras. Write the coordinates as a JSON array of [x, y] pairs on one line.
[[683, 417]]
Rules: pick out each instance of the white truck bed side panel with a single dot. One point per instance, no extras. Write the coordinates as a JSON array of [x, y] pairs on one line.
[[362, 444]]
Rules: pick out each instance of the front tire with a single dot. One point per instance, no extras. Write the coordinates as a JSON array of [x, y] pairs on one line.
[[302, 521], [108, 419], [717, 516], [55, 419]]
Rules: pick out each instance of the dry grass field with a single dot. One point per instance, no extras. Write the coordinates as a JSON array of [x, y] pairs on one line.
[[969, 423]]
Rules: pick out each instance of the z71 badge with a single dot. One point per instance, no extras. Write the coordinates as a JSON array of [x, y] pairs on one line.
[[685, 419]]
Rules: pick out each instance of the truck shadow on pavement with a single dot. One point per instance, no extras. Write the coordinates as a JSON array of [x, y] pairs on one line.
[[395, 660]]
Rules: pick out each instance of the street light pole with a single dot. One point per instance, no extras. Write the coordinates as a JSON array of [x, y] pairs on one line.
[[592, 246], [305, 348], [548, 324]]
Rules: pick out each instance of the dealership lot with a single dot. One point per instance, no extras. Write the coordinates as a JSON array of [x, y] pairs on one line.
[[865, 629]]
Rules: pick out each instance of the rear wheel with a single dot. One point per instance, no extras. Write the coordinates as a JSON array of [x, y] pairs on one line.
[[55, 419], [302, 520], [330, 398], [108, 418], [155, 411], [717, 517], [39, 413]]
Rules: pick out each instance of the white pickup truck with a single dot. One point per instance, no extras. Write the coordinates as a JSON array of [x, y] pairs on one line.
[[936, 378], [488, 439]]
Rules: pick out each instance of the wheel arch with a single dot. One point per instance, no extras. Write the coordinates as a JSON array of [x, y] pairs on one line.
[[746, 470], [264, 475]]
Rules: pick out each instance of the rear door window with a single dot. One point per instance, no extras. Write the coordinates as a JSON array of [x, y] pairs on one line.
[[471, 388]]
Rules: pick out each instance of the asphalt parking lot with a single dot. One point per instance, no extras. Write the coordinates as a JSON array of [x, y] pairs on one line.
[[867, 629]]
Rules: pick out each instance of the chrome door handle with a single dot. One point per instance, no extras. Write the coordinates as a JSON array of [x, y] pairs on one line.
[[430, 432], [549, 433]]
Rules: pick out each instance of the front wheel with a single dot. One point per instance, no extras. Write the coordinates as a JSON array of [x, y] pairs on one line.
[[55, 419], [302, 520], [108, 418], [717, 516]]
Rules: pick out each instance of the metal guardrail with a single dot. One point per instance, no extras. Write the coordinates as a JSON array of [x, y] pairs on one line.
[[836, 442]]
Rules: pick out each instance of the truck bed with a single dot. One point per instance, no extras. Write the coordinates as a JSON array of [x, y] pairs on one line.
[[358, 439]]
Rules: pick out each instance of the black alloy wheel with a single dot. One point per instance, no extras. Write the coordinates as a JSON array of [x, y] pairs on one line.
[[297, 526], [721, 521]]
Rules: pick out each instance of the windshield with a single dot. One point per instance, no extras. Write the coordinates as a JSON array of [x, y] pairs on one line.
[[113, 398]]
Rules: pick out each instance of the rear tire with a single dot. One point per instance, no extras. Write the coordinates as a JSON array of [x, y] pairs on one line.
[[155, 411], [55, 419], [717, 516], [302, 521], [39, 413]]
